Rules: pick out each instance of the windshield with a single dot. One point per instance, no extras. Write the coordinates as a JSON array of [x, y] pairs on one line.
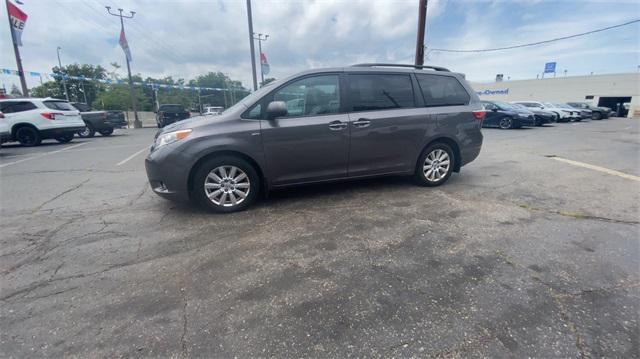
[[251, 98], [561, 105], [59, 105], [549, 104]]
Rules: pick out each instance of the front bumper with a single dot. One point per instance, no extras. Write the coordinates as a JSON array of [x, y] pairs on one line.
[[527, 121], [168, 176]]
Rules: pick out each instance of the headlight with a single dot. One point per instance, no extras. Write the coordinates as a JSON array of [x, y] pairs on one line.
[[171, 137]]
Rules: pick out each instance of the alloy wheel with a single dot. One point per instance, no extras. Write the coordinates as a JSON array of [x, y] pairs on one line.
[[436, 165], [505, 123], [227, 186]]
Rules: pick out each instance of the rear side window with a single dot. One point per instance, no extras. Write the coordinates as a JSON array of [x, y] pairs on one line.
[[442, 91], [370, 92], [59, 105], [16, 106]]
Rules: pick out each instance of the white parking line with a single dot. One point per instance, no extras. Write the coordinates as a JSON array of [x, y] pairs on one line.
[[597, 168], [132, 156], [41, 155]]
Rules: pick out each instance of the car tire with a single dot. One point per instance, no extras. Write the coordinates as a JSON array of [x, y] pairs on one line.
[[88, 132], [221, 181], [506, 123], [66, 138], [106, 132], [596, 116], [28, 136], [435, 165]]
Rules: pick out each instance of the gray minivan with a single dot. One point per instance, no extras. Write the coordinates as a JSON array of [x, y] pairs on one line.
[[318, 126]]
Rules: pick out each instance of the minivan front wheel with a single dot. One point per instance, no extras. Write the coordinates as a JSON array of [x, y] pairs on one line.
[[435, 165], [226, 184]]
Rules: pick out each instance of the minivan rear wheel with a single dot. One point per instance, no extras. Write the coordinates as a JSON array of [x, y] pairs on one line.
[[435, 165], [226, 184]]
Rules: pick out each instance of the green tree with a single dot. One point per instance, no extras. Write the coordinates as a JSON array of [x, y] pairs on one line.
[[76, 87]]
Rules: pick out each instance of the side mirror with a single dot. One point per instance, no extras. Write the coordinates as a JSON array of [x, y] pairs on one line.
[[494, 109], [276, 109]]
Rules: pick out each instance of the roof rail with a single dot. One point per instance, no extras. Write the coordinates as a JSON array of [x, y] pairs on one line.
[[419, 67]]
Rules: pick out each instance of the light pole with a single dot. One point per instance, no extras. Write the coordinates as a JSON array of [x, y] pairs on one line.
[[64, 81], [253, 55], [134, 101], [260, 40]]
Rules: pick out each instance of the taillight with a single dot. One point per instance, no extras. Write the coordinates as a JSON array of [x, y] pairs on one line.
[[479, 115], [50, 115], [188, 114], [1, 115]]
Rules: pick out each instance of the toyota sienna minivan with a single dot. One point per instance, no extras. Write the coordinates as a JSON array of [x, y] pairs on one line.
[[322, 125]]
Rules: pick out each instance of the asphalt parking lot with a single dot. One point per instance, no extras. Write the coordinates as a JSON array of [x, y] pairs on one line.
[[522, 254]]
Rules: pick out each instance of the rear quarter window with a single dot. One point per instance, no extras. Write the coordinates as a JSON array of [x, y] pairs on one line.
[[442, 90], [172, 108], [59, 105]]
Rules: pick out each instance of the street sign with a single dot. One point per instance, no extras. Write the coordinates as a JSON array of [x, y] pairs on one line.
[[550, 67]]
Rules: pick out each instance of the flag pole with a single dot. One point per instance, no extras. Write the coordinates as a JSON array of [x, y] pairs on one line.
[[16, 51]]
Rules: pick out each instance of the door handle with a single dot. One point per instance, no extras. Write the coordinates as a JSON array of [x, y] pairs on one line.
[[361, 123], [337, 125]]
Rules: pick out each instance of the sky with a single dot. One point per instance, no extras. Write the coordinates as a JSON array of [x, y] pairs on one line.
[[186, 38]]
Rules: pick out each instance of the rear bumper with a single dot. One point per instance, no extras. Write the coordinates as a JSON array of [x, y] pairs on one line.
[[55, 132]]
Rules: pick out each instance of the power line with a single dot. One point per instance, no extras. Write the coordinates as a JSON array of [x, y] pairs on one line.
[[539, 42]]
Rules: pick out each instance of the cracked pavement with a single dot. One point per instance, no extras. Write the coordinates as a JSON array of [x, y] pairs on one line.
[[517, 256]]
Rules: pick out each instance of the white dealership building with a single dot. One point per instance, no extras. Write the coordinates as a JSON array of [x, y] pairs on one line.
[[613, 91]]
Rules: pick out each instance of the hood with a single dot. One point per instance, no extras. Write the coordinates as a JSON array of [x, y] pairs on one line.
[[193, 122]]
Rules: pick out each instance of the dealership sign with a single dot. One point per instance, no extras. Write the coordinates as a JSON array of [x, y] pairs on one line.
[[493, 92], [550, 67]]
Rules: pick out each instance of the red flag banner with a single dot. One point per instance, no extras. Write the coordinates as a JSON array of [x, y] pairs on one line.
[[125, 45], [264, 63], [18, 20]]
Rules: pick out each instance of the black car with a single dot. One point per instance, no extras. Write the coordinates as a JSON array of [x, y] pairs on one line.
[[170, 113], [597, 113], [505, 115], [540, 116], [102, 122]]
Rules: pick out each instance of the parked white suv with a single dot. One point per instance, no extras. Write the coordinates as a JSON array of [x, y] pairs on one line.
[[563, 115], [32, 120]]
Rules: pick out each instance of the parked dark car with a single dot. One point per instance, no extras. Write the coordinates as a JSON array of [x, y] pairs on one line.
[[170, 113], [505, 115], [322, 125], [103, 122], [597, 113], [541, 117]]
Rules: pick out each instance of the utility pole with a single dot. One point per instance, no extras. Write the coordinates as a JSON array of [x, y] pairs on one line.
[[422, 19], [199, 101], [64, 80], [134, 101], [260, 40], [16, 52], [253, 51], [84, 93]]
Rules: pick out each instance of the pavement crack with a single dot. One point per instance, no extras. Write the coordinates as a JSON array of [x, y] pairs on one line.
[[73, 188], [183, 343], [577, 215]]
